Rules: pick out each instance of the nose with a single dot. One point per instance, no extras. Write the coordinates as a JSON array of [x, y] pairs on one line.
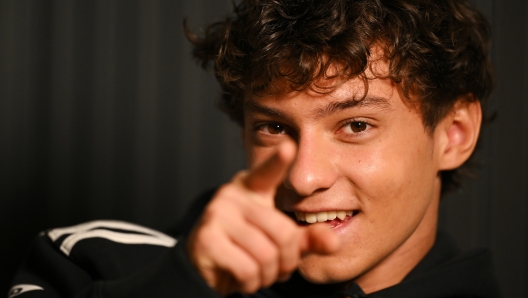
[[313, 169]]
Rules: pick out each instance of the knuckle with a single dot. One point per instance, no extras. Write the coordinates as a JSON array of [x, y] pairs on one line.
[[286, 233], [205, 237], [269, 256], [282, 239], [249, 274]]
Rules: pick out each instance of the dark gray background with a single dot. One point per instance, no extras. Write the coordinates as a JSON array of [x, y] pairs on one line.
[[103, 115]]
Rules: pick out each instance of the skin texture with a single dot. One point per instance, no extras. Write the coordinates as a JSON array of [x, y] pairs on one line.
[[315, 152]]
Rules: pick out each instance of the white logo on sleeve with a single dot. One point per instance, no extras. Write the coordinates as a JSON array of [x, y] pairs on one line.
[[20, 289]]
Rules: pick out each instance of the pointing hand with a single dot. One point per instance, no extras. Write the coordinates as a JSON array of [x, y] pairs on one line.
[[242, 242]]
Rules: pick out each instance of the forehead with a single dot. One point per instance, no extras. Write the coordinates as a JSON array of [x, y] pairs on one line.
[[318, 109], [328, 97]]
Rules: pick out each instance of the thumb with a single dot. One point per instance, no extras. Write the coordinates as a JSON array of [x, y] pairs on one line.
[[319, 239]]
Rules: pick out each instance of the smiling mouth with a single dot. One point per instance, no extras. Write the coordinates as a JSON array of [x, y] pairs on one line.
[[324, 216]]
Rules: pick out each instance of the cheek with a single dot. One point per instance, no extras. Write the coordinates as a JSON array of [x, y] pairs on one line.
[[391, 166], [391, 179], [372, 170]]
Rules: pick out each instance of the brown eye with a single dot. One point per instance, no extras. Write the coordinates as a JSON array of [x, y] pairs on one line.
[[358, 126], [275, 129]]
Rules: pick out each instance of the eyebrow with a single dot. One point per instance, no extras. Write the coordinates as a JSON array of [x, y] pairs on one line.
[[253, 106], [331, 108], [368, 101]]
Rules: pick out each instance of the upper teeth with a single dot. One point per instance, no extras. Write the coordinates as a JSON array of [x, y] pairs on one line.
[[321, 216]]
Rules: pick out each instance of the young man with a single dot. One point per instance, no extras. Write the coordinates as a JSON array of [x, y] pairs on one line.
[[356, 117]]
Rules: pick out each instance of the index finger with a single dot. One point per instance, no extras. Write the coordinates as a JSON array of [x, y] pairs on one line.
[[264, 178]]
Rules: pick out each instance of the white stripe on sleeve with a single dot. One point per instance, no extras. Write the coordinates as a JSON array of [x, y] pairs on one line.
[[22, 288], [110, 224], [125, 238]]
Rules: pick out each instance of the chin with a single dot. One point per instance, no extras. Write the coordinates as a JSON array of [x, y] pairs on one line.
[[326, 270]]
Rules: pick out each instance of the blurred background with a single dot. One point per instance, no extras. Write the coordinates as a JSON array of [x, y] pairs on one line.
[[103, 115]]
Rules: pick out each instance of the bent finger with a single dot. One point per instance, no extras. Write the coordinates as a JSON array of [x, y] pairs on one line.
[[237, 263], [257, 244], [280, 229]]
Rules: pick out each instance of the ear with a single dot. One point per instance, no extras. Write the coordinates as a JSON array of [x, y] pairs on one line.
[[458, 133]]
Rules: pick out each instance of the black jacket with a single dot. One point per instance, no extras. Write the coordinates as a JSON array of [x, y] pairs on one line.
[[117, 259], [444, 272]]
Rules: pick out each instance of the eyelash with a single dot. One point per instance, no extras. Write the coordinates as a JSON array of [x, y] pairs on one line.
[[262, 126], [345, 125], [348, 122]]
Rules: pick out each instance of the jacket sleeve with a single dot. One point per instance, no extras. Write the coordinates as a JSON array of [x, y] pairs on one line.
[[108, 259]]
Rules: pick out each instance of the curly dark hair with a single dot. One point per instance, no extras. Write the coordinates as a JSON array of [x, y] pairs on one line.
[[437, 51]]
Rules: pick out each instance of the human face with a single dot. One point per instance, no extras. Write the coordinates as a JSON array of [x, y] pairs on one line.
[[372, 157]]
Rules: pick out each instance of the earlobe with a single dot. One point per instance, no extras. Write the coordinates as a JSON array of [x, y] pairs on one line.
[[460, 131]]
